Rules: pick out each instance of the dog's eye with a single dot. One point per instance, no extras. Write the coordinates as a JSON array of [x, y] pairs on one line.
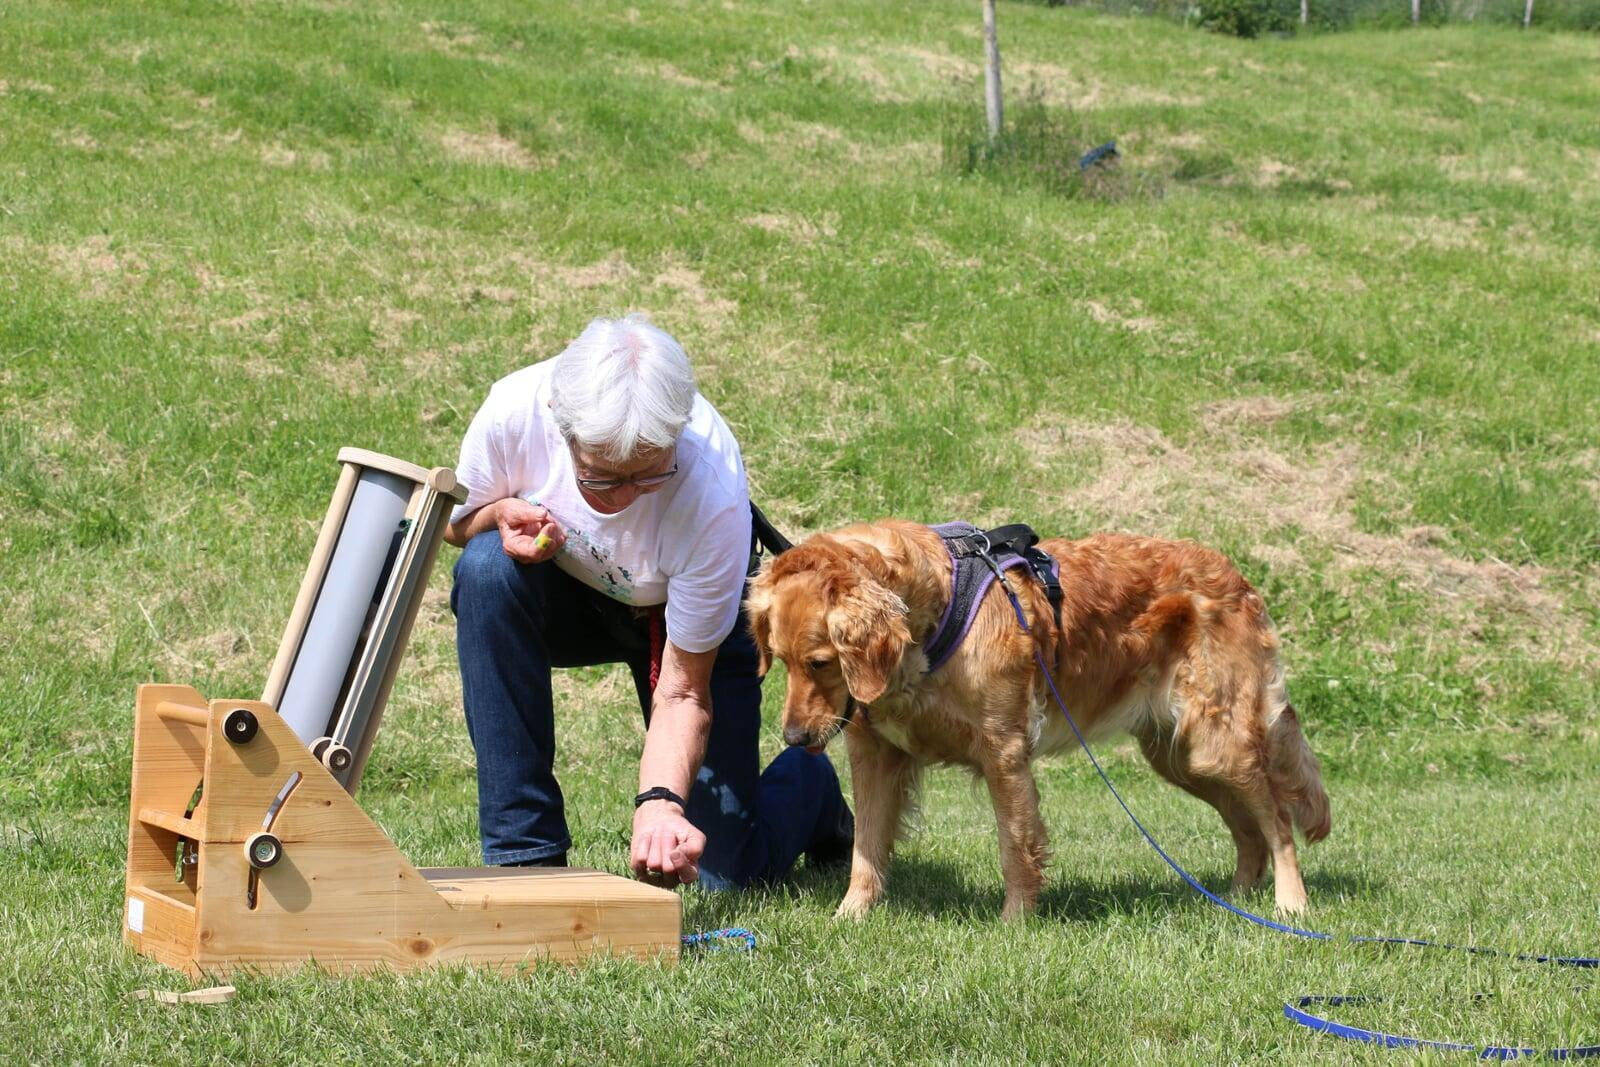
[[817, 665]]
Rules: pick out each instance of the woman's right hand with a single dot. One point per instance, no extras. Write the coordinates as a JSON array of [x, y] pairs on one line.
[[528, 533]]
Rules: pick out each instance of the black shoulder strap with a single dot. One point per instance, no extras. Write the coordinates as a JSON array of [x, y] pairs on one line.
[[767, 535], [763, 537], [1020, 538]]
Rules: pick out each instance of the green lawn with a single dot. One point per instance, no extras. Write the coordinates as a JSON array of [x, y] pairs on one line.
[[1341, 319]]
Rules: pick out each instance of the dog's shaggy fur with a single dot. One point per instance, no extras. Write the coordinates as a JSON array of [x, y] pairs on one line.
[[1161, 639]]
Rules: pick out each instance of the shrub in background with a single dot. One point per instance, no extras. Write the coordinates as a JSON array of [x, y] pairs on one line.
[[1247, 18]]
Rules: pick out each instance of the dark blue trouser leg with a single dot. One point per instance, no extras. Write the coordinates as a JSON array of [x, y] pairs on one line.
[[756, 823], [515, 622]]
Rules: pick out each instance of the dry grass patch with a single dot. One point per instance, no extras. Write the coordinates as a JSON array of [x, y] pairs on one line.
[[1442, 233], [487, 148], [941, 65], [1148, 484], [1061, 86], [351, 376], [246, 320], [1249, 410], [943, 253], [276, 155], [666, 72], [96, 265], [711, 309], [797, 228], [612, 271], [860, 68], [1134, 323], [459, 41]]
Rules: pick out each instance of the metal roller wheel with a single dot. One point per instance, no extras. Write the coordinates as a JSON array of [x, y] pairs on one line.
[[240, 726], [263, 850], [337, 758]]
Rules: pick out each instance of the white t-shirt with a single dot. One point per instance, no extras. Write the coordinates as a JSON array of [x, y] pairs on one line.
[[687, 543]]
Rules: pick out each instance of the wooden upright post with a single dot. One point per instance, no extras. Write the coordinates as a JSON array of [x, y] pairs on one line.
[[991, 73]]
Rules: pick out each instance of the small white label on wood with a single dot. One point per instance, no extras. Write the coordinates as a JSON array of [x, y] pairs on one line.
[[136, 915]]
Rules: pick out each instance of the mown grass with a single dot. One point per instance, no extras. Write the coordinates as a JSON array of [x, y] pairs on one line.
[[1350, 336]]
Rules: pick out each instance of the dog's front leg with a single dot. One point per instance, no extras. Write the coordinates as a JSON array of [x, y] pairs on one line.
[[882, 777], [1022, 834]]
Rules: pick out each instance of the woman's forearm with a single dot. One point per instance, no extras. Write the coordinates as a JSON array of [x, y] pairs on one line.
[[675, 744], [473, 524], [680, 721]]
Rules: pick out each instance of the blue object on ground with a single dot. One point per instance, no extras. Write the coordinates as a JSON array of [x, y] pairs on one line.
[[1102, 154]]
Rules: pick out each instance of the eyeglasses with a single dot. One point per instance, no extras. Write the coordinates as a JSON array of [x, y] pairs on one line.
[[643, 482]]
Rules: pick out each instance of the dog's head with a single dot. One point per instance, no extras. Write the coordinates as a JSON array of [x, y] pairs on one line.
[[822, 607]]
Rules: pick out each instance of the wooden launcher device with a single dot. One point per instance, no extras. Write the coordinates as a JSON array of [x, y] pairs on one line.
[[246, 848]]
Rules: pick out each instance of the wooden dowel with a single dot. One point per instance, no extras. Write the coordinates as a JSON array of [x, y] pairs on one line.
[[200, 717]]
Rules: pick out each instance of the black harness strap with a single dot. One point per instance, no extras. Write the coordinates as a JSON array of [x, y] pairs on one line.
[[1020, 538], [764, 537], [767, 535], [978, 559]]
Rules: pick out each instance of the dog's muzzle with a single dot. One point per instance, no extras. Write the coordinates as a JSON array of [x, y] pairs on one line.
[[795, 737]]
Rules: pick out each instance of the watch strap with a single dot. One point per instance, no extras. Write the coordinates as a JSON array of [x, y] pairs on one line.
[[659, 792]]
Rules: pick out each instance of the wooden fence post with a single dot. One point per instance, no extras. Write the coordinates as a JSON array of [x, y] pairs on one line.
[[1527, 14], [1416, 12], [991, 73]]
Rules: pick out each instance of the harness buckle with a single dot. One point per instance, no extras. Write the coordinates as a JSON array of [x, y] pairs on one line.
[[986, 553]]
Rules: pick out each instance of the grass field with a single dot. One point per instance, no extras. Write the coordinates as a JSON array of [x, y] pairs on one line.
[[1341, 318]]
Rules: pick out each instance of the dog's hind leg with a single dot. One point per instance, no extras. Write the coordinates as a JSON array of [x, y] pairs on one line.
[[1248, 841], [882, 778], [1229, 753]]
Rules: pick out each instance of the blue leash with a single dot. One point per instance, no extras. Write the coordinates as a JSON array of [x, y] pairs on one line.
[[1294, 1011], [717, 940]]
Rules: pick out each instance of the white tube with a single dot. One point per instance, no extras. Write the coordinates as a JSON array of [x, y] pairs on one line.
[[353, 579]]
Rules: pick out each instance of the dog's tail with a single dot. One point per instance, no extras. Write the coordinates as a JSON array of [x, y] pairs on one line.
[[1296, 776]]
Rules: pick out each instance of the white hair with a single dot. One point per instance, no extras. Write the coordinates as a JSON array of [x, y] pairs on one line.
[[623, 386]]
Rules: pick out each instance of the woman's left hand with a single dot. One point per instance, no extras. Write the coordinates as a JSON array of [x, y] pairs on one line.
[[666, 845]]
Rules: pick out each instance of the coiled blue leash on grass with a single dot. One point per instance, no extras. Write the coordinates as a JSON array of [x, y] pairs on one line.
[[736, 937], [1295, 1010]]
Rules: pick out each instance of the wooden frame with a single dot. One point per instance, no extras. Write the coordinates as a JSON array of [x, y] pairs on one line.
[[433, 492], [337, 893]]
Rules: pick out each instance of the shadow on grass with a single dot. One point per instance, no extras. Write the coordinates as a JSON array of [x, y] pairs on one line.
[[934, 888], [943, 890]]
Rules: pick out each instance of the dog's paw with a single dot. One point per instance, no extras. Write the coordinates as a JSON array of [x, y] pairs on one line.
[[1292, 904], [853, 908], [1016, 911]]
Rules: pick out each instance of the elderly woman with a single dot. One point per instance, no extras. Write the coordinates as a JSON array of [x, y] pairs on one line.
[[608, 521]]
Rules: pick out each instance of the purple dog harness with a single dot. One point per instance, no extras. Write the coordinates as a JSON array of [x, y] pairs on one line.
[[977, 558]]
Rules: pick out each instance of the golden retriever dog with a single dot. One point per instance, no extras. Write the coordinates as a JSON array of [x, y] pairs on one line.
[[1161, 639]]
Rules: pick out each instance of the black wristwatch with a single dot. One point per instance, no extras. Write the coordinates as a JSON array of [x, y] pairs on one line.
[[659, 792]]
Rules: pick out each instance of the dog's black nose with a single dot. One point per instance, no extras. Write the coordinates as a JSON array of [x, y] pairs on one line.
[[795, 736]]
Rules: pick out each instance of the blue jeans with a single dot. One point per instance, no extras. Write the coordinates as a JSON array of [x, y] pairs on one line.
[[515, 621]]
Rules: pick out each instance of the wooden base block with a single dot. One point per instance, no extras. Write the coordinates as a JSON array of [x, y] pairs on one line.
[[341, 895]]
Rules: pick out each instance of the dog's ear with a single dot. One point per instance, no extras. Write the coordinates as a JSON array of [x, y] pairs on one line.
[[758, 609], [867, 625]]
